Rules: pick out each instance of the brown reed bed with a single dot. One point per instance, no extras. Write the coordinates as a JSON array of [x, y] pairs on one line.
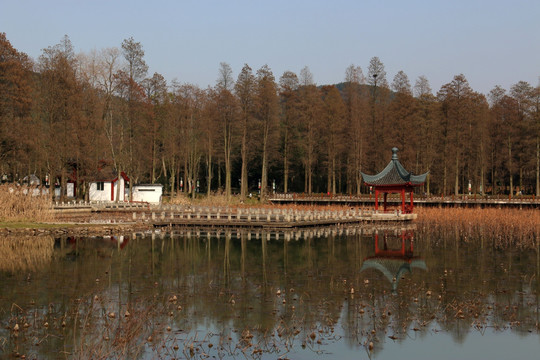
[[505, 227], [18, 204]]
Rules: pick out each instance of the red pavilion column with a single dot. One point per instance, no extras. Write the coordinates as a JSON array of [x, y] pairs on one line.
[[376, 199], [412, 201], [403, 200]]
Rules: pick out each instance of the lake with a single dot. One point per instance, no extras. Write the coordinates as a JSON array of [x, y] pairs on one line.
[[328, 293]]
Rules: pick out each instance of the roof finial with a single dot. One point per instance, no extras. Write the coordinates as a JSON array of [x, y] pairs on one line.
[[394, 153]]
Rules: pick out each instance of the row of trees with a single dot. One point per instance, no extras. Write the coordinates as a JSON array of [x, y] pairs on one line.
[[69, 112]]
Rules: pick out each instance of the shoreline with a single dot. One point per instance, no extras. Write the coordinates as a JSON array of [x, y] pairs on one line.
[[70, 229]]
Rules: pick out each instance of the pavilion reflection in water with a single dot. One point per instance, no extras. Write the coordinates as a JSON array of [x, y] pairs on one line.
[[394, 263]]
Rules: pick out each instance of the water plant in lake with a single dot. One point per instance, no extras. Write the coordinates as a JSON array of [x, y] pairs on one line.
[[501, 227]]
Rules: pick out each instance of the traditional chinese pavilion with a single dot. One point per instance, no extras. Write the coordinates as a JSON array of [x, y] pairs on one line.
[[394, 179], [394, 263]]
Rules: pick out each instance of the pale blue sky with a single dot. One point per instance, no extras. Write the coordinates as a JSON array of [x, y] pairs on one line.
[[491, 42]]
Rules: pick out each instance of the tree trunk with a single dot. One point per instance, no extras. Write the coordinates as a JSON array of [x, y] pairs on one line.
[[510, 166], [305, 177], [228, 175], [286, 162], [310, 158], [456, 186], [482, 186], [333, 174], [537, 166], [264, 175], [329, 178], [521, 179], [243, 175], [493, 184], [444, 178], [63, 185], [209, 178], [310, 177], [118, 185], [186, 188], [227, 161], [153, 156], [173, 181]]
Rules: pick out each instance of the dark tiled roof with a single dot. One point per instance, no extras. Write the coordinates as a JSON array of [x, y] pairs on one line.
[[393, 269], [106, 174], [394, 174]]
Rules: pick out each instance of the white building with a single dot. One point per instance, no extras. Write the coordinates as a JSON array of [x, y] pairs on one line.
[[70, 190], [105, 187], [150, 193]]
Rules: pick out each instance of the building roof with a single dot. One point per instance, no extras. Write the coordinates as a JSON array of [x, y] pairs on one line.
[[394, 174], [107, 175]]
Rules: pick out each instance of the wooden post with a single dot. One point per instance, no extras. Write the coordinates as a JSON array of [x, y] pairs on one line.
[[403, 200], [376, 199]]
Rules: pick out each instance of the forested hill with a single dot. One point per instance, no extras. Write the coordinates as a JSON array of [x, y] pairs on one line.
[[65, 115]]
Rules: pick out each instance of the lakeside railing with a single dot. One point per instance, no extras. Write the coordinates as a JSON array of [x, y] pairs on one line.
[[100, 205], [176, 214], [179, 213], [367, 198]]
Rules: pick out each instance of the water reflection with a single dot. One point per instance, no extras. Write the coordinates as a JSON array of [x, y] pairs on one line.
[[394, 263], [25, 253], [231, 293]]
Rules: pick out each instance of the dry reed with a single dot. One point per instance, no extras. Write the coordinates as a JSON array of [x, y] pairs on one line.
[[506, 227], [19, 204]]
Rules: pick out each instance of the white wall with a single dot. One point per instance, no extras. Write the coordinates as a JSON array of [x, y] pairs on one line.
[[105, 194], [70, 191], [100, 195], [148, 193]]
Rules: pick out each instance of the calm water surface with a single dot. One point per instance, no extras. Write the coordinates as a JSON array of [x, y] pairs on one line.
[[326, 294]]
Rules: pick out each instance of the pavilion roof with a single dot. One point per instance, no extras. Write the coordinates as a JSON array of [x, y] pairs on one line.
[[393, 268], [394, 174]]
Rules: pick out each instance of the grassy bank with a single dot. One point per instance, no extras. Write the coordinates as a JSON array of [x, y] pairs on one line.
[[31, 225]]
